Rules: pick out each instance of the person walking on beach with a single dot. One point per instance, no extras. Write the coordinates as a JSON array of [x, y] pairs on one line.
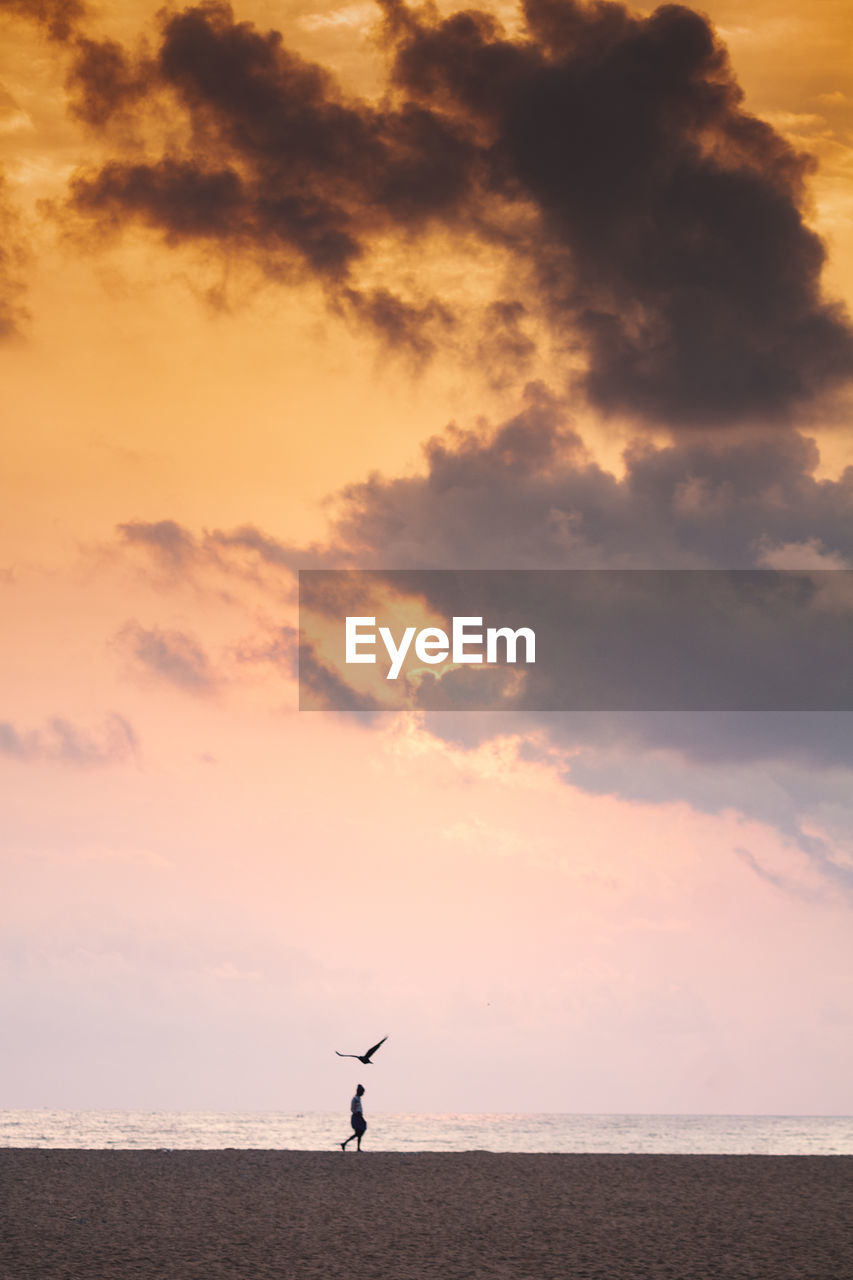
[[357, 1120]]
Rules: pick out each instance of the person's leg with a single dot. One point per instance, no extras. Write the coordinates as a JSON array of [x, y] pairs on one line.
[[354, 1134]]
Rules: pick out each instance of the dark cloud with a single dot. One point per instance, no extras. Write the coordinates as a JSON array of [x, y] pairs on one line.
[[105, 81], [649, 217], [281, 165], [189, 202], [59, 17], [61, 740], [526, 494], [171, 656], [417, 328], [673, 237]]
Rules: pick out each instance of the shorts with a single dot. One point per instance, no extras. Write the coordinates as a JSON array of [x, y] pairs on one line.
[[358, 1123]]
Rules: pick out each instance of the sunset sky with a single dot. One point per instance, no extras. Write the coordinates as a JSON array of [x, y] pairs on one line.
[[316, 284]]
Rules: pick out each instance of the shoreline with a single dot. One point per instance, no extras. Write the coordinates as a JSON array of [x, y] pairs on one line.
[[479, 1152], [221, 1214]]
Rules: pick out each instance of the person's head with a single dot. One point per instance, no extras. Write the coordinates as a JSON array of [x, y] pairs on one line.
[[359, 1089]]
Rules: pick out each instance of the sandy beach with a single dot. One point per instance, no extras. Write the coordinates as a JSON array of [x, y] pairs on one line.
[[196, 1215]]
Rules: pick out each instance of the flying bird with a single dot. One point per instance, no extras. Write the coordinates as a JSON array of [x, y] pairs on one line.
[[363, 1057]]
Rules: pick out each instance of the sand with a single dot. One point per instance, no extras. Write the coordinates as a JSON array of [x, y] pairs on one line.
[[205, 1215]]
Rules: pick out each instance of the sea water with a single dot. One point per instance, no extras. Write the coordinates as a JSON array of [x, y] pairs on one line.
[[322, 1131]]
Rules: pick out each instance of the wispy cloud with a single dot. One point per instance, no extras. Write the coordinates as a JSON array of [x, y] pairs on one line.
[[63, 741], [168, 655]]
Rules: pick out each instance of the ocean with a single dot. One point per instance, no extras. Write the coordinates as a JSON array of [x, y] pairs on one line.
[[322, 1131]]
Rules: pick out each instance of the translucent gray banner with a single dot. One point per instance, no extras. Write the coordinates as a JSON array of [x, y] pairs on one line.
[[576, 640]]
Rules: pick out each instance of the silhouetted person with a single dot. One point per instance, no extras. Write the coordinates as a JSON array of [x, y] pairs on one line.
[[357, 1120]]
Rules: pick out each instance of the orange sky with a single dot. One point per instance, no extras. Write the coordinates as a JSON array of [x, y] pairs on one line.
[[200, 877]]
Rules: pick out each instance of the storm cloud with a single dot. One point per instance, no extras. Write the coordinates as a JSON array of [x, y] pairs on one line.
[[650, 219], [672, 234]]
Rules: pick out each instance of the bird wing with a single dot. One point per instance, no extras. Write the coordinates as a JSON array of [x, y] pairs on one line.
[[370, 1052], [346, 1055]]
